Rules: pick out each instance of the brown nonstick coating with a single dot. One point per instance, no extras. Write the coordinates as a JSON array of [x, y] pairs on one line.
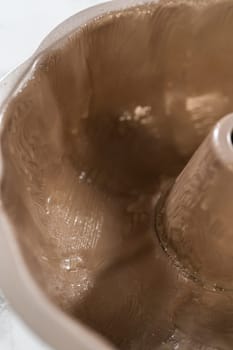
[[100, 126]]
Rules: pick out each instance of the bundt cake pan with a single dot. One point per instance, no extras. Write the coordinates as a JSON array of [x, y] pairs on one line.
[[108, 238]]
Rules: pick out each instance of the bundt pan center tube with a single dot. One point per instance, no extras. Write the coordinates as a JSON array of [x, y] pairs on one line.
[[116, 179]]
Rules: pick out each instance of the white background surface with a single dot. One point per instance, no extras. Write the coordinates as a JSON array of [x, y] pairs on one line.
[[23, 25]]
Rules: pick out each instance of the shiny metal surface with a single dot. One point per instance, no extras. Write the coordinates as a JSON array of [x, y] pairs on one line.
[[94, 134], [198, 211], [21, 39]]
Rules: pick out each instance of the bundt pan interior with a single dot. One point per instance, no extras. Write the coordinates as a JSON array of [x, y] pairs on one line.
[[95, 127]]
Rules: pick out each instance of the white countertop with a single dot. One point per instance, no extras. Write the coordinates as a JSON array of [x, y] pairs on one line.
[[23, 25]]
